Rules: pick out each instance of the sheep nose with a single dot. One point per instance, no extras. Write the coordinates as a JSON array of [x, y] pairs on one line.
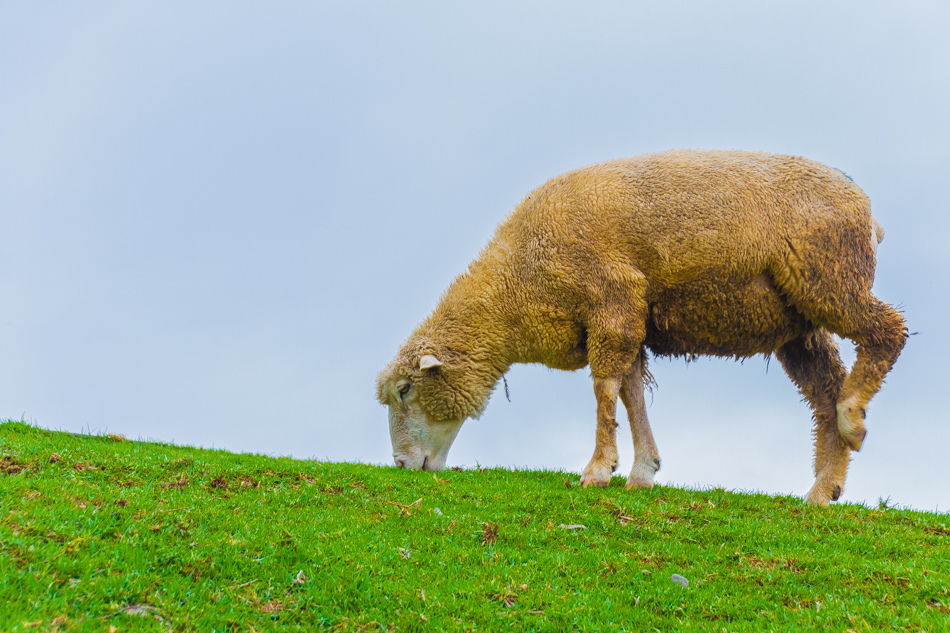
[[400, 462]]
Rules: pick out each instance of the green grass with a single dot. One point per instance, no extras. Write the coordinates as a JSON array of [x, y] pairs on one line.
[[103, 534]]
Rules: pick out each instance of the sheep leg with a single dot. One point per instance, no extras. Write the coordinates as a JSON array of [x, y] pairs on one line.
[[839, 271], [880, 334], [646, 456], [813, 364], [615, 334], [604, 461]]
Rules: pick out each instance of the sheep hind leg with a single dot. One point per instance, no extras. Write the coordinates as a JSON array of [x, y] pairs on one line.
[[813, 364], [880, 334], [646, 456], [604, 461]]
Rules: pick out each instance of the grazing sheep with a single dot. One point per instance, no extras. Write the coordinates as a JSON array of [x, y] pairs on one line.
[[723, 253]]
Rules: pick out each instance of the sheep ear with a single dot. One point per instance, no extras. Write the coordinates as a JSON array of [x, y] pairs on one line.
[[428, 361]]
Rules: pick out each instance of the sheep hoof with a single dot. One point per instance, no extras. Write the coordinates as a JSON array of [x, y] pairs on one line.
[[590, 480], [641, 475], [851, 423], [814, 499], [638, 484], [596, 474], [856, 439], [820, 495]]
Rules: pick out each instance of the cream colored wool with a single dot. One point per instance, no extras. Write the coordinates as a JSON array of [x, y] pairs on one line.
[[722, 253]]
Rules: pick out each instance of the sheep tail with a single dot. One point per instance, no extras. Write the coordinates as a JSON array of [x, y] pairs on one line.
[[877, 234]]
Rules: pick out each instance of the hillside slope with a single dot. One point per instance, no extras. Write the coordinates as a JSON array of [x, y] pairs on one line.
[[104, 534]]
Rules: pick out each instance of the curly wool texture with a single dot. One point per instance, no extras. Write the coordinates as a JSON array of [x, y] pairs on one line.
[[724, 253]]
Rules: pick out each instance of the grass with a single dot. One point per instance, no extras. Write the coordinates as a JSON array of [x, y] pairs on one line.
[[104, 534]]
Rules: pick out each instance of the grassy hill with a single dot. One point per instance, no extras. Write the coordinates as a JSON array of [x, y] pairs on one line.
[[104, 534]]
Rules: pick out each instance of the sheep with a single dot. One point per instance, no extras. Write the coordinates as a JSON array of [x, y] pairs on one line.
[[682, 253]]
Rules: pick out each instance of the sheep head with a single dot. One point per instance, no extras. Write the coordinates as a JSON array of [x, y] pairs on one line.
[[421, 426]]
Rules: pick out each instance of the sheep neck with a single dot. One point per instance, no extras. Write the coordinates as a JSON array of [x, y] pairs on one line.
[[472, 326]]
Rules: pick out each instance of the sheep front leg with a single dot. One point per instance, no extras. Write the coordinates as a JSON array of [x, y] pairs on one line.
[[646, 456], [604, 461]]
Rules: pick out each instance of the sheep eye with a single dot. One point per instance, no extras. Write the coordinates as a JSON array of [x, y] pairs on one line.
[[405, 389]]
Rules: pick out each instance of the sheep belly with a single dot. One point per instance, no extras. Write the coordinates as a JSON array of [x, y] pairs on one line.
[[717, 318]]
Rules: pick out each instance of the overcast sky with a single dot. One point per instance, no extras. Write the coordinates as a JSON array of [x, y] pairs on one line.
[[220, 220]]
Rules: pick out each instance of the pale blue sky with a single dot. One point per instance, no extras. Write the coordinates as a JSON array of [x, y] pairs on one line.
[[220, 220]]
